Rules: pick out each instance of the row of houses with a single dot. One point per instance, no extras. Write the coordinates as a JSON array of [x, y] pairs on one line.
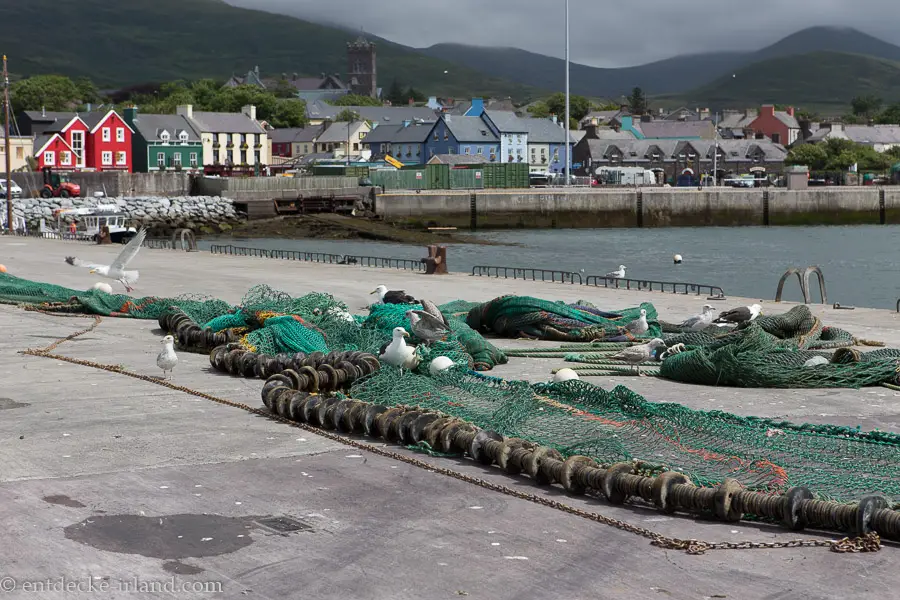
[[108, 141]]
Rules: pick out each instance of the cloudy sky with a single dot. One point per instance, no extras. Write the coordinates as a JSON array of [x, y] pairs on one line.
[[603, 34]]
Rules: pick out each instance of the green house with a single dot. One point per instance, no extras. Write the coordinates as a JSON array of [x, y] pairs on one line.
[[164, 143]]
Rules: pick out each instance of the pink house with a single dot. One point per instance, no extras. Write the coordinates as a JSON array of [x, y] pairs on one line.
[[779, 126]]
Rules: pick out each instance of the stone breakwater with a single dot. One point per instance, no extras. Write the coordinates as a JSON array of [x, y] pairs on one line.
[[193, 212]]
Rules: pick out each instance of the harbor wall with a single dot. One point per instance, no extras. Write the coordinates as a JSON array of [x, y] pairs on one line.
[[269, 188], [114, 183], [646, 207]]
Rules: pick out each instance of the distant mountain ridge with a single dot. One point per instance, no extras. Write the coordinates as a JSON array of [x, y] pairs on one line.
[[670, 76]]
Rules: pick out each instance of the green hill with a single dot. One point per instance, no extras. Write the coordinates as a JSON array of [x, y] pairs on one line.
[[823, 81], [121, 43]]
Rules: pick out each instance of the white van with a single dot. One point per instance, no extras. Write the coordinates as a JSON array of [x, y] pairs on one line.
[[625, 176]]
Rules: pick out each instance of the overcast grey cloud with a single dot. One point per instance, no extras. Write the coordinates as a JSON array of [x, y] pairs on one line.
[[603, 34]]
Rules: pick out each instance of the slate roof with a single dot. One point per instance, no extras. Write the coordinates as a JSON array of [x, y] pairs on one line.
[[413, 133], [470, 129], [545, 131], [640, 150], [873, 134], [292, 135], [787, 119], [383, 134], [151, 126], [675, 129], [220, 122], [737, 119], [338, 133], [506, 122]]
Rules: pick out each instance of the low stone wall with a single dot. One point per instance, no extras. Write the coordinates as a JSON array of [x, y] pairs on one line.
[[193, 212], [825, 206], [115, 184], [673, 207], [269, 188]]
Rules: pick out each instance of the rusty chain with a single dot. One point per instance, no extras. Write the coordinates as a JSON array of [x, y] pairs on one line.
[[870, 542]]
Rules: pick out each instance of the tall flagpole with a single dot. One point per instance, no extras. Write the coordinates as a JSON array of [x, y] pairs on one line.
[[566, 122], [9, 210]]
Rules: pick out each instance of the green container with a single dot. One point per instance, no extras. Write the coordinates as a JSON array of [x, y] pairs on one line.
[[471, 178]]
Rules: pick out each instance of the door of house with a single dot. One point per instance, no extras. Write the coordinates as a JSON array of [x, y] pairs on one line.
[[78, 147]]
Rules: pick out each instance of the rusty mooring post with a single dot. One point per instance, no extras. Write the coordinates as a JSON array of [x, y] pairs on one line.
[[103, 237], [436, 263]]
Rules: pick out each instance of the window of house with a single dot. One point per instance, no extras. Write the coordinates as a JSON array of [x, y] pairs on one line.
[[243, 157], [122, 158], [355, 146], [65, 157], [160, 159], [362, 134], [243, 138], [418, 151], [431, 153], [479, 150], [451, 150], [446, 135], [305, 148], [106, 134], [408, 151], [435, 135], [543, 152], [106, 157], [556, 155], [257, 157], [776, 137], [176, 159], [164, 136], [49, 158], [120, 134], [468, 150], [193, 159]]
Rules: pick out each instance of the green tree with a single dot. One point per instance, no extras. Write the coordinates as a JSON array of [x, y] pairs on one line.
[[347, 116], [579, 106], [870, 159], [415, 95], [810, 155], [355, 100], [890, 115], [842, 161], [539, 110], [204, 92], [87, 91], [637, 102], [837, 146], [893, 152], [395, 93], [852, 119], [283, 88], [233, 99], [53, 92], [289, 113], [866, 106], [607, 106], [807, 115]]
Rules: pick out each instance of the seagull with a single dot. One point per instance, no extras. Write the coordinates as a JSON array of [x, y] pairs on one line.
[[386, 296], [397, 353], [564, 375], [740, 315], [116, 271], [638, 354], [639, 326], [619, 274], [428, 324], [701, 321], [439, 364], [167, 359]]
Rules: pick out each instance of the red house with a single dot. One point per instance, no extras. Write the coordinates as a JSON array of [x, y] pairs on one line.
[[92, 141], [779, 126]]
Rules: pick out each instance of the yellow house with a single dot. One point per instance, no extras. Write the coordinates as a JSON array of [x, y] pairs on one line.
[[230, 138], [21, 147]]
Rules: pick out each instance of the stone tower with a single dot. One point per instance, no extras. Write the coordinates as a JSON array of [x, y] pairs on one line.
[[361, 73]]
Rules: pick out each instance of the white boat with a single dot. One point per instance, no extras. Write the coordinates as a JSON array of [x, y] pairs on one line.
[[89, 221]]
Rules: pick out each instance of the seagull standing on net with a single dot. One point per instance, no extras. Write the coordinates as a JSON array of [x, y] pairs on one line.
[[639, 326], [739, 315], [635, 355], [618, 274], [116, 271], [167, 359], [701, 321], [386, 296], [398, 353]]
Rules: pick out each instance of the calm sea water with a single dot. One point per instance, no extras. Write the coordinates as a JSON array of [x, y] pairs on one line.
[[861, 265]]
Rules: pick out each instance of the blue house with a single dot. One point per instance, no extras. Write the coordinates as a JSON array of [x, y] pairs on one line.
[[512, 132], [462, 135], [405, 142]]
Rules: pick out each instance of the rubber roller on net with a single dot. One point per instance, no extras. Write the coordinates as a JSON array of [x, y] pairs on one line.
[[191, 335], [314, 371], [670, 492]]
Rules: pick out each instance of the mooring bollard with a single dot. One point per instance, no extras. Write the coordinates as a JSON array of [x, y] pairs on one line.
[[436, 262]]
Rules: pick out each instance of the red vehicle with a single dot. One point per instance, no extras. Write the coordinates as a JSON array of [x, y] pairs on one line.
[[58, 185]]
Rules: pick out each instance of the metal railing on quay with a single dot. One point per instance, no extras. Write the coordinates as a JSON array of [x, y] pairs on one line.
[[405, 264], [551, 275], [675, 287], [158, 244]]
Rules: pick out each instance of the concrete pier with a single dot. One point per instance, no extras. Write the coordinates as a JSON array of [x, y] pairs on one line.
[[642, 207], [108, 477]]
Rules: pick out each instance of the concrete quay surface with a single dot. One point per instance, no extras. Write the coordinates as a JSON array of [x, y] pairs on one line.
[[124, 484]]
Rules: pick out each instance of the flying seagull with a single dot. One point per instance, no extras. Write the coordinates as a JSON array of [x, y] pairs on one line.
[[386, 296], [397, 353], [639, 326], [638, 354], [740, 315], [618, 274], [167, 359], [701, 321], [116, 271]]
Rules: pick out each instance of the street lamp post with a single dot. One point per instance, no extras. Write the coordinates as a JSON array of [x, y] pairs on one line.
[[716, 154], [566, 122]]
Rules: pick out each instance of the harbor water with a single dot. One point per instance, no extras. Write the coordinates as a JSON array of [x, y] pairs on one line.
[[861, 266]]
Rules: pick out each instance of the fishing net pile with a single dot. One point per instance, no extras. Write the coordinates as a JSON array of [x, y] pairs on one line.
[[574, 417], [772, 352], [527, 317]]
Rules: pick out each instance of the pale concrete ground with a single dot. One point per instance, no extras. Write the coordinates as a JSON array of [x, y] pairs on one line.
[[80, 444]]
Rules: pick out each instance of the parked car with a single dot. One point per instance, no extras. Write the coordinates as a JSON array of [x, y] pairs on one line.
[[16, 190]]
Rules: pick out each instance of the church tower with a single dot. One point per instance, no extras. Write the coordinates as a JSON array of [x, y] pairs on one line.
[[361, 72]]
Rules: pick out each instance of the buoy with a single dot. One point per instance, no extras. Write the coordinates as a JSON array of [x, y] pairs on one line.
[[441, 363], [2, 268], [564, 375], [103, 287], [677, 258]]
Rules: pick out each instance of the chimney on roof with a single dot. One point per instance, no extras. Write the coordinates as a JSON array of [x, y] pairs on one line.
[[767, 110], [294, 77], [790, 111], [43, 111], [250, 111], [590, 132], [185, 110]]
